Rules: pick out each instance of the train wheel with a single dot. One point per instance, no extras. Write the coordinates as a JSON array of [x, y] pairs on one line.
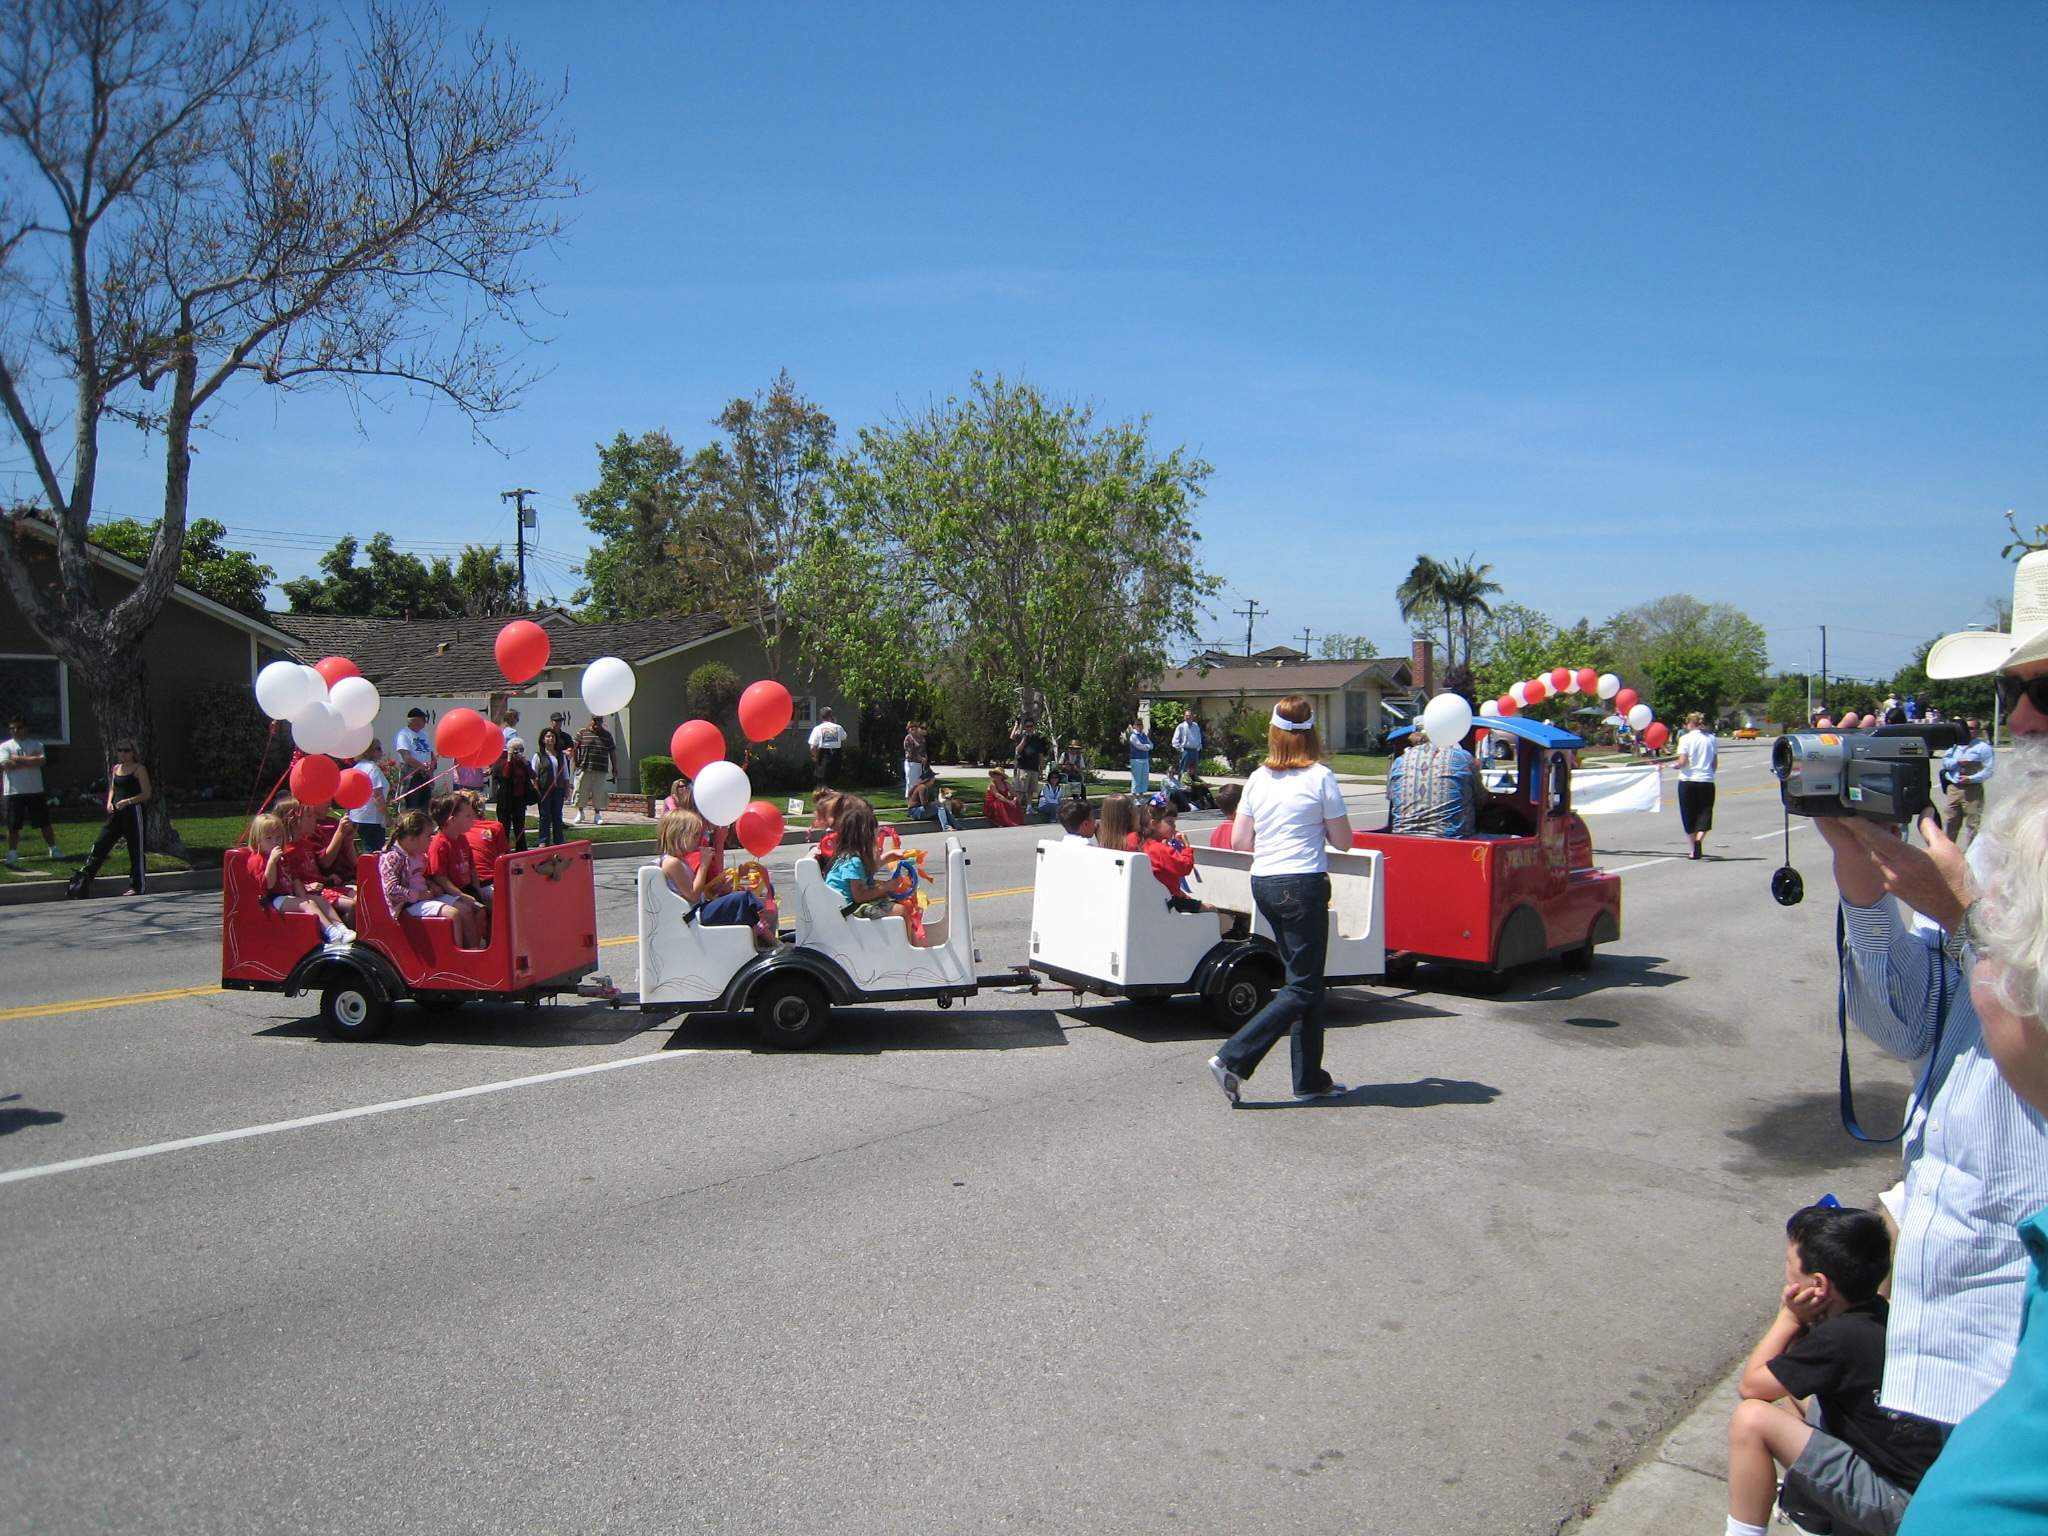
[[1580, 959], [1245, 991], [790, 1013], [351, 1011]]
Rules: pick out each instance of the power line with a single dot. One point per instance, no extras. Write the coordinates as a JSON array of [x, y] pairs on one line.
[[1252, 614]]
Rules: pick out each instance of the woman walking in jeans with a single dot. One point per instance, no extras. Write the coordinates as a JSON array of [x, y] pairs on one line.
[[1291, 810]]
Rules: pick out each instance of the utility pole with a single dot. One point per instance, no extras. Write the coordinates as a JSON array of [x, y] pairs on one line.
[[1823, 668], [1252, 614], [1307, 641], [528, 518]]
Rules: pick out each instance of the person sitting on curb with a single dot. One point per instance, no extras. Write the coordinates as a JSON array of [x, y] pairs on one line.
[[1851, 1464]]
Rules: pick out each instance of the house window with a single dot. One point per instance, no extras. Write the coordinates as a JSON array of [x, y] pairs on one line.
[[805, 710], [37, 688]]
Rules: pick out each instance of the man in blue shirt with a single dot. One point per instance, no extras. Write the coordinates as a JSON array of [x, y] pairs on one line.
[[1965, 768]]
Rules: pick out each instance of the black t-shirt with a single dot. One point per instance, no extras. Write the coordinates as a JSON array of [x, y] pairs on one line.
[[1031, 750], [1843, 1361]]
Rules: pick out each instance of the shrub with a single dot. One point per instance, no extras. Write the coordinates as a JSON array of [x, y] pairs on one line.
[[1214, 767], [234, 749], [713, 691], [656, 775]]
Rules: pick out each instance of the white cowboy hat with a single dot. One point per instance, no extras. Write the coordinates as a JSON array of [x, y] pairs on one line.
[[1977, 651]]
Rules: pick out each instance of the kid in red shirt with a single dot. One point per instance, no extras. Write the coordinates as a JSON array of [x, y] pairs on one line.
[[451, 862], [1172, 859]]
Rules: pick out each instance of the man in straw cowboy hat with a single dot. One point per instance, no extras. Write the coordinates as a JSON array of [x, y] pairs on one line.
[[1976, 1154]]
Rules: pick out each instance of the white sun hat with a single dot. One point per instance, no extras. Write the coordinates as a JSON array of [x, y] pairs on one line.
[[1977, 651]]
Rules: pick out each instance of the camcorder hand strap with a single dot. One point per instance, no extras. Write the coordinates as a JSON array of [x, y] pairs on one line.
[[1941, 1001]]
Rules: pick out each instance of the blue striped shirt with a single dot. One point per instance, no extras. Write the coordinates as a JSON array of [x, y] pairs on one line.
[[1976, 1165]]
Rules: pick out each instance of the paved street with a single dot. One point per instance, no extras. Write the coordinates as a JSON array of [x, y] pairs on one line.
[[1013, 1266]]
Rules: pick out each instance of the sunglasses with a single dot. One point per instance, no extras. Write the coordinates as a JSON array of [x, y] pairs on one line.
[[2033, 689]]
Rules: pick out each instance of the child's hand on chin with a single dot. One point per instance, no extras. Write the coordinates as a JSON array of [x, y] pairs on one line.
[[1806, 1303]]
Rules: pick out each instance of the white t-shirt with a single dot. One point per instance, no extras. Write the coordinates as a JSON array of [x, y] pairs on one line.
[[20, 781], [1288, 810], [828, 736], [371, 811], [1697, 754]]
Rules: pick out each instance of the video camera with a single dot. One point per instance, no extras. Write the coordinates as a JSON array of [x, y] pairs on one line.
[[1885, 774]]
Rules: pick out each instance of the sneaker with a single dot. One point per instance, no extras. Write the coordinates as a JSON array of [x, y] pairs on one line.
[[13, 858], [1227, 1080], [1336, 1090], [597, 820], [340, 935], [59, 853]]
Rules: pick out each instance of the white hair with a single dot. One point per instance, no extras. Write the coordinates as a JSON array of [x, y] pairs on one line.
[[2012, 867]]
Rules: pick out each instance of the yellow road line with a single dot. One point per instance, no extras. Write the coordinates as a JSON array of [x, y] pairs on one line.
[[85, 1004]]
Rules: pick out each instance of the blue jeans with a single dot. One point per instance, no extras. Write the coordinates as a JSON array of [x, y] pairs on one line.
[[551, 829], [1190, 759], [946, 817], [1297, 908], [1141, 775]]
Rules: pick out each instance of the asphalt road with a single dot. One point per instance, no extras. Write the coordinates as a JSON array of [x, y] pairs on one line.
[[1007, 1267]]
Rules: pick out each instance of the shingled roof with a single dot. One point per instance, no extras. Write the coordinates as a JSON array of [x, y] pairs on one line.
[[1390, 672], [454, 658]]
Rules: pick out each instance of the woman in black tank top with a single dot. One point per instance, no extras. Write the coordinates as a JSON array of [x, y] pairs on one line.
[[128, 790]]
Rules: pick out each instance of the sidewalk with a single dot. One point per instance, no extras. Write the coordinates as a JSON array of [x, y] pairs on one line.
[[1682, 1488]]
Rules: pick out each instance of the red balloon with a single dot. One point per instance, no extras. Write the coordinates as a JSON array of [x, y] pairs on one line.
[[353, 789], [314, 777], [1655, 734], [695, 743], [335, 668], [1626, 700], [459, 733], [1508, 706], [766, 710], [1588, 680], [489, 748], [1560, 679], [760, 829], [523, 648]]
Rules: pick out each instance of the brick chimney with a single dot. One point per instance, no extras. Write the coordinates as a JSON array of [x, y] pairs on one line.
[[1421, 665]]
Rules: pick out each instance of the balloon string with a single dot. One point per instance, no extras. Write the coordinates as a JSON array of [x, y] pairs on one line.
[[249, 805]]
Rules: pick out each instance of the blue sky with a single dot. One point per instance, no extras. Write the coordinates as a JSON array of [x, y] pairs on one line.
[[1745, 300]]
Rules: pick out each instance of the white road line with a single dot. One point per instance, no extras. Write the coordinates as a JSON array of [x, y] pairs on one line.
[[158, 1149], [1797, 826], [1644, 865]]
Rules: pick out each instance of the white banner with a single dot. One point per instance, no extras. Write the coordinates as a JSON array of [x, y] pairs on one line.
[[1611, 791]]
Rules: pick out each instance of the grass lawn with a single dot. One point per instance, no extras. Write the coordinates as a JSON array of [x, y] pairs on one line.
[[1358, 762]]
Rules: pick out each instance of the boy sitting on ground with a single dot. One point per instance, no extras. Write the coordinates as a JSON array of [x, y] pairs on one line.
[[1853, 1466]]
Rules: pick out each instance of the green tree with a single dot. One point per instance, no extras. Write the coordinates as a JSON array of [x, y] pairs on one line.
[[206, 200], [1959, 698], [1423, 601], [1055, 559], [713, 692], [207, 565], [1645, 632], [397, 584], [1343, 647], [1786, 706], [1466, 587], [485, 584], [1685, 678], [644, 484]]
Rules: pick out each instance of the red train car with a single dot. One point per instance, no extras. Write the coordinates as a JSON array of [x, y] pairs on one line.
[[1524, 890], [543, 942]]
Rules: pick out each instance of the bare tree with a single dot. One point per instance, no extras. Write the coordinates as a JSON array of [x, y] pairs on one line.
[[195, 202]]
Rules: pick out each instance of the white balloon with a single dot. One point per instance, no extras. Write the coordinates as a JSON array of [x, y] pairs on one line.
[[281, 690], [318, 727], [1640, 716], [358, 701], [1446, 719], [355, 737], [721, 791], [1490, 709], [1520, 694], [1608, 686], [608, 685], [316, 685]]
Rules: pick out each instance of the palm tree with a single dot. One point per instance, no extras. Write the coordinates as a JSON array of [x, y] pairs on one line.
[[1465, 588], [1423, 601]]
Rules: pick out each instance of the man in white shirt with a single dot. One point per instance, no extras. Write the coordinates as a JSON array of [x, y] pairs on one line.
[[415, 760], [21, 780], [828, 748], [1187, 741]]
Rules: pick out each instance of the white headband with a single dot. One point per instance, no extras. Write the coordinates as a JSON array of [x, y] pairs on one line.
[[1281, 722]]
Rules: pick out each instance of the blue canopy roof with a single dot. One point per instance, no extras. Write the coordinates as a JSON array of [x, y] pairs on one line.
[[1538, 731]]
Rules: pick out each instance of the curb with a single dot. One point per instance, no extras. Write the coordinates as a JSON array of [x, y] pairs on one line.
[[1682, 1485], [29, 892]]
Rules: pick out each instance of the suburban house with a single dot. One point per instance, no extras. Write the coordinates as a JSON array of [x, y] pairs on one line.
[[196, 643], [1357, 702], [438, 664]]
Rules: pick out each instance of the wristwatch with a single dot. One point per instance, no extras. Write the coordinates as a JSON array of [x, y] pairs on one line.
[[1964, 940]]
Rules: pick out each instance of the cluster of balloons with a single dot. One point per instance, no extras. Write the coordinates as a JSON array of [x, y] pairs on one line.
[[331, 707], [720, 789], [1563, 680]]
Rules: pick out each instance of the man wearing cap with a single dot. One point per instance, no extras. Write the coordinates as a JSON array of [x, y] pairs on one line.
[[1976, 1154], [415, 760]]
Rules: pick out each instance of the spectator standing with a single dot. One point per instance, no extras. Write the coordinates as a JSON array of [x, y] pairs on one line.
[[828, 749], [1187, 743], [595, 754], [1028, 754], [916, 757], [1291, 812], [1433, 791], [1698, 756], [515, 794], [1138, 742], [415, 760], [128, 791], [21, 780], [552, 765], [373, 815], [510, 725], [1965, 767]]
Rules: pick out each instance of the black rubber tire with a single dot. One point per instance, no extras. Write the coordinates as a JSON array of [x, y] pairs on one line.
[[791, 1013], [1245, 990], [351, 1011], [1491, 983], [1580, 959], [438, 1002], [1402, 967]]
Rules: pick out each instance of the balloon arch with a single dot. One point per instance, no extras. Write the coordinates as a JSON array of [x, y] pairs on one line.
[[1453, 717]]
